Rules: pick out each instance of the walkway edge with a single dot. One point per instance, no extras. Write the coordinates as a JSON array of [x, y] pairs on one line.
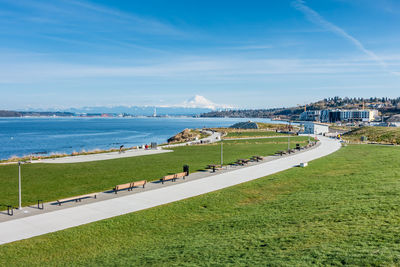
[[28, 227]]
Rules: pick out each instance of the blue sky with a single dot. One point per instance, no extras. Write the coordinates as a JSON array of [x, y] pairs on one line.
[[247, 54]]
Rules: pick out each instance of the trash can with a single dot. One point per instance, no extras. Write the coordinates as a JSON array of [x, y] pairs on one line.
[[186, 169]]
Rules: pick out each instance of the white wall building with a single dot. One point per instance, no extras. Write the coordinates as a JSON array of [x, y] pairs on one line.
[[315, 128], [310, 115], [327, 115]]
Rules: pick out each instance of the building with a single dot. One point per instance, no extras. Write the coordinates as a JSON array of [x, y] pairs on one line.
[[394, 120], [366, 115], [339, 115], [310, 115], [315, 128]]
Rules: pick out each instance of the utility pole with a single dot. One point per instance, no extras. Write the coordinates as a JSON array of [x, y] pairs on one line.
[[19, 186], [288, 144], [222, 152]]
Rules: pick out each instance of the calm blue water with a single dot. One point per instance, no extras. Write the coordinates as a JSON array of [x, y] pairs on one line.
[[24, 136]]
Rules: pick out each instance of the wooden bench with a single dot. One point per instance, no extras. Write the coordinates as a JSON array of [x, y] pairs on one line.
[[173, 177], [122, 187], [77, 198], [257, 158], [168, 177], [139, 183], [181, 175], [214, 167], [129, 186], [291, 151]]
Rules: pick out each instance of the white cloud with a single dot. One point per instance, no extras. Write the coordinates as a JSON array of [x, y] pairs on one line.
[[79, 16], [317, 19], [219, 69], [199, 101]]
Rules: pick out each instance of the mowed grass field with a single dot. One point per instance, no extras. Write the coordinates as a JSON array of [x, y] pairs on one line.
[[49, 182], [255, 133], [386, 135], [341, 210]]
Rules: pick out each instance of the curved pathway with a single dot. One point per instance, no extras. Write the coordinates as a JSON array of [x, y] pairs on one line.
[[40, 224], [103, 156]]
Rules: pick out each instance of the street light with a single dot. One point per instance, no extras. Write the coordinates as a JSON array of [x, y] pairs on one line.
[[288, 143], [19, 186], [222, 152]]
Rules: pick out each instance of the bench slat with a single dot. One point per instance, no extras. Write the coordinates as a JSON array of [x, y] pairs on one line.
[[168, 177], [139, 183], [123, 186], [180, 175], [76, 198]]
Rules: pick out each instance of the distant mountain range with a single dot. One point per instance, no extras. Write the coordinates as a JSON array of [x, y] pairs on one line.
[[140, 111], [194, 106], [126, 111]]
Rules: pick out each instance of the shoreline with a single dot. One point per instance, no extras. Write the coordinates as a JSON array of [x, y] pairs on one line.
[[54, 152]]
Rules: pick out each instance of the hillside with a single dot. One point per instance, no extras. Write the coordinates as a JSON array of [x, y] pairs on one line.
[[338, 211], [7, 113], [384, 135], [386, 106]]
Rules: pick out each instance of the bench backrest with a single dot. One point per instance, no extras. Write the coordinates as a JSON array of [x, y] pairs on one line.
[[122, 186], [139, 183], [180, 175], [77, 197], [169, 177]]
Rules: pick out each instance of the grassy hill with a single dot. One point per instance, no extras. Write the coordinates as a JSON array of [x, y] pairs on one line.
[[385, 135], [52, 181], [386, 106], [341, 210], [264, 130]]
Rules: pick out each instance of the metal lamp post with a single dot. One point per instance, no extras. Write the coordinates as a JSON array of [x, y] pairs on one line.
[[222, 152], [288, 144], [19, 186]]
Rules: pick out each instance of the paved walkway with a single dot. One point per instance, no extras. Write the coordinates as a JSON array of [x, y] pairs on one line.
[[212, 138], [103, 156], [40, 224]]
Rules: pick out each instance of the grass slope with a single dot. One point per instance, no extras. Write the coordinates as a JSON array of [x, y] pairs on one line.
[[255, 133], [52, 181], [388, 135], [341, 210]]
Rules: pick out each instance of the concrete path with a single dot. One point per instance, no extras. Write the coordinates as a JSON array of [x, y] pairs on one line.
[[36, 225], [212, 138], [103, 156]]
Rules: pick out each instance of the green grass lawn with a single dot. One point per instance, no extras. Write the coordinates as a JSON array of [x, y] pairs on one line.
[[256, 133], [341, 210], [49, 182], [388, 135]]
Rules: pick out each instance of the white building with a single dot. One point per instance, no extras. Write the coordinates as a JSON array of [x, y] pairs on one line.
[[310, 115], [394, 120], [315, 128], [326, 115]]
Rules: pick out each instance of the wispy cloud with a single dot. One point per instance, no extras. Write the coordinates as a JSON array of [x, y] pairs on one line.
[[84, 14], [317, 19], [194, 68]]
